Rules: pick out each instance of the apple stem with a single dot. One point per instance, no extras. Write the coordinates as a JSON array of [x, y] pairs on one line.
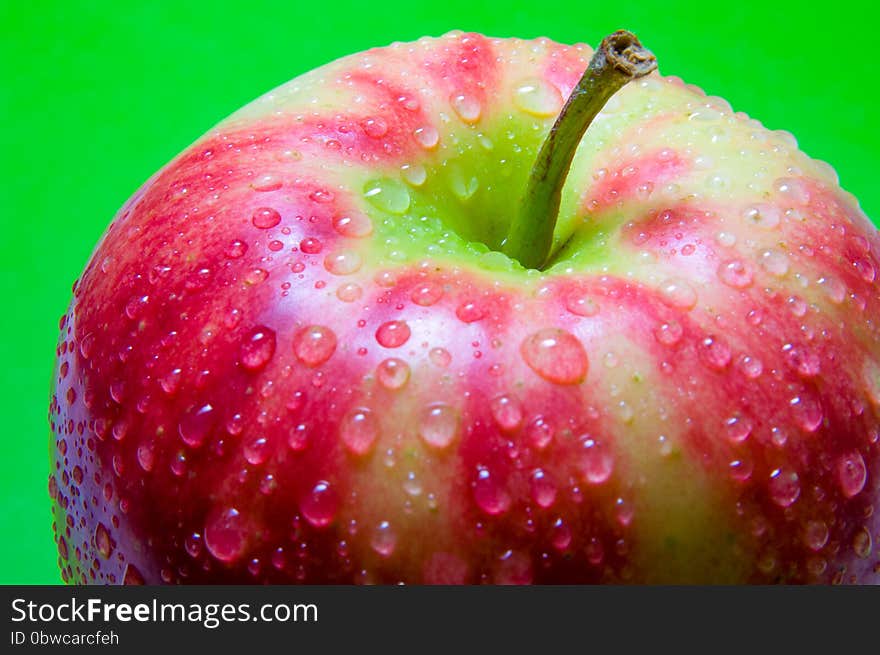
[[619, 59]]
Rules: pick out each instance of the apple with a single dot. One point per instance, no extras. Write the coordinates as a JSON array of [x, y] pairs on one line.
[[415, 317]]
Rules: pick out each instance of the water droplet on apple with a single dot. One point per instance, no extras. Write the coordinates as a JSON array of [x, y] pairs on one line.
[[741, 469], [556, 355], [471, 311], [513, 568], [268, 182], [298, 438], [349, 292], [440, 357], [225, 535], [314, 345], [539, 432], [311, 246], [384, 539], [195, 425], [538, 97], [265, 217], [862, 543], [784, 486], [865, 269], [438, 425], [807, 412], [388, 195], [491, 497], [146, 457], [393, 334], [256, 450], [319, 505], [414, 174], [669, 333], [595, 462], [257, 348], [103, 542], [359, 431], [816, 535], [392, 373], [427, 294], [762, 215], [353, 225], [735, 273], [775, 262], [343, 262], [467, 107], [375, 128], [581, 303], [852, 473], [738, 428], [542, 489], [715, 353], [678, 293], [427, 137], [507, 412]]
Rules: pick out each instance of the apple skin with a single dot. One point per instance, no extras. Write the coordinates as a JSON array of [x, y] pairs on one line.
[[296, 356]]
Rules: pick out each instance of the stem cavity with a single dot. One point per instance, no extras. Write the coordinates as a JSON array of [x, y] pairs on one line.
[[619, 59]]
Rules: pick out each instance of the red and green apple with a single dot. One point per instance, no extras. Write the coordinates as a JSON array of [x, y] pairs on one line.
[[415, 317]]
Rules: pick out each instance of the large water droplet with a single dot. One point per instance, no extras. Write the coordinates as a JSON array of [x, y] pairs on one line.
[[735, 273], [427, 137], [258, 348], [196, 424], [392, 373], [426, 294], [595, 461], [862, 543], [807, 412], [507, 412], [539, 432], [678, 293], [816, 535], [669, 333], [556, 355], [353, 224], [414, 174], [359, 431], [349, 292], [542, 489], [343, 262], [384, 539], [738, 428], [775, 262], [438, 425], [581, 303], [265, 217], [319, 505], [784, 486], [225, 534], [489, 494], [393, 334], [375, 128], [852, 473], [103, 542], [715, 353], [538, 97], [314, 345], [467, 107], [762, 215], [388, 195]]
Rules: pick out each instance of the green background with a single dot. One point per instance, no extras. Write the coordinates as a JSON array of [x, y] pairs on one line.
[[95, 96]]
